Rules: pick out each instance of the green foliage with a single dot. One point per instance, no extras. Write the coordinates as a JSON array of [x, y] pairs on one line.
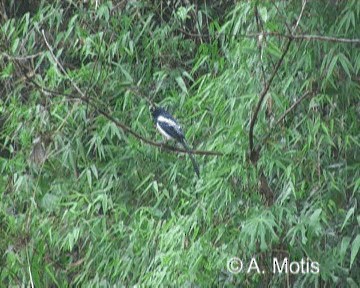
[[83, 202]]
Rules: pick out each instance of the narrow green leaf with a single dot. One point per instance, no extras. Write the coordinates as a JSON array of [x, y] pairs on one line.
[[346, 64], [343, 247], [15, 45], [315, 217], [354, 249], [332, 66], [348, 215], [181, 84]]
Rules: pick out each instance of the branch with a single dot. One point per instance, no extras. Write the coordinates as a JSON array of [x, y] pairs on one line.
[[294, 37], [282, 16], [300, 15], [253, 153], [260, 41], [190, 34], [122, 126], [145, 140], [21, 58], [291, 108], [304, 37], [264, 187], [60, 66]]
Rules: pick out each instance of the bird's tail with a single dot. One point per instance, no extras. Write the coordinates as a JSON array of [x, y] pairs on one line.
[[188, 150]]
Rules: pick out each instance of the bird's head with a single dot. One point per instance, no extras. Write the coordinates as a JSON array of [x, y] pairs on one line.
[[156, 111]]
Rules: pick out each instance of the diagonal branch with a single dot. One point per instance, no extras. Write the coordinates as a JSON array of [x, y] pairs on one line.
[[290, 109], [308, 37], [282, 16], [260, 41], [122, 126], [300, 15], [253, 152], [60, 66], [264, 187]]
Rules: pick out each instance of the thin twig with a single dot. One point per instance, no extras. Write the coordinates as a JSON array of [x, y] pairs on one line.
[[282, 117], [295, 37], [261, 99], [299, 18], [260, 28], [278, 10], [292, 107], [26, 57], [60, 66], [190, 34], [123, 126], [29, 268]]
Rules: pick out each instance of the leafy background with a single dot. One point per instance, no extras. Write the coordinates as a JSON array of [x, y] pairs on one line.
[[85, 202]]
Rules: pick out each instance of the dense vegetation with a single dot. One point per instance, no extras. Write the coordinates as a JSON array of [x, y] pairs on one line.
[[268, 94]]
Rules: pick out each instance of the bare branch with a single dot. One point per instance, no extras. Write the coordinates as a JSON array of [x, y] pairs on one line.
[[292, 107], [253, 153], [260, 28], [122, 126], [304, 37], [295, 37], [299, 18], [20, 58], [282, 16], [282, 117], [60, 66]]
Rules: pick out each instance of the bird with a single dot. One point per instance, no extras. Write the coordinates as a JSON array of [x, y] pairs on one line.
[[171, 130]]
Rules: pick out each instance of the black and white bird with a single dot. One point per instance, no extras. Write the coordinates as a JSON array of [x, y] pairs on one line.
[[170, 129]]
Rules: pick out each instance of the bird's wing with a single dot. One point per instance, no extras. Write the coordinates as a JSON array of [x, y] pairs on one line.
[[170, 127]]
